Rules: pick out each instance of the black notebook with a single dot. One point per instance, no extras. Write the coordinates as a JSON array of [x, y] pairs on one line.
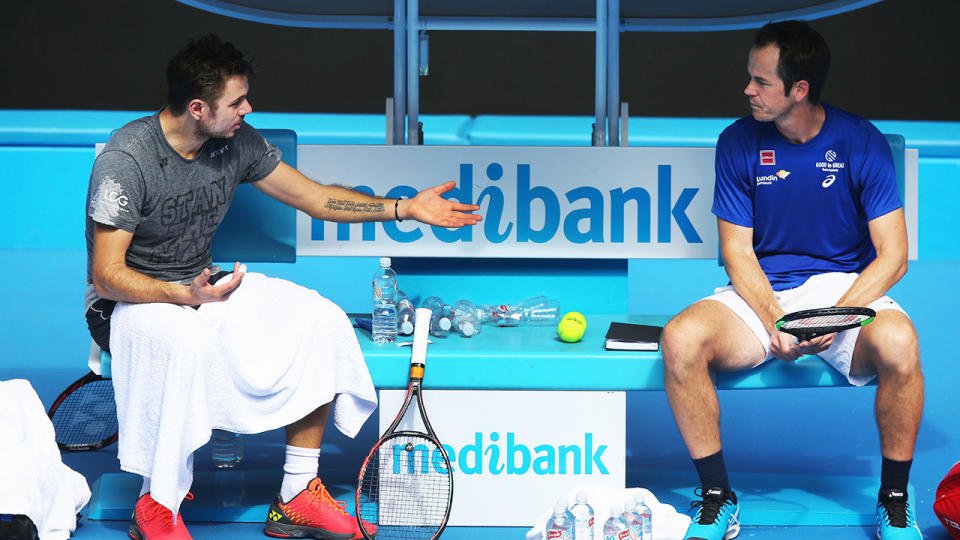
[[633, 337]]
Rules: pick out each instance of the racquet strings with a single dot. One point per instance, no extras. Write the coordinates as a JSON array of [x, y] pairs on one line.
[[824, 321], [405, 489], [86, 416]]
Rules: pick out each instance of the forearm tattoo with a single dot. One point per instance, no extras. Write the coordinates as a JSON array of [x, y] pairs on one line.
[[342, 205]]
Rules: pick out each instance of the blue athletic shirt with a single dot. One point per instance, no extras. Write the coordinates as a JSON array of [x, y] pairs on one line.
[[808, 204]]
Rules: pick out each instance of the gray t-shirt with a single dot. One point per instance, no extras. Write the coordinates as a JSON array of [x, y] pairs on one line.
[[171, 204]]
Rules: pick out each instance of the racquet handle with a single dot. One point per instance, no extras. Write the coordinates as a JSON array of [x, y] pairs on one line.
[[421, 332]]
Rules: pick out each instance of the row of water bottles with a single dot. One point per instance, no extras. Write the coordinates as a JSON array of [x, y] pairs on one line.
[[393, 312], [632, 521]]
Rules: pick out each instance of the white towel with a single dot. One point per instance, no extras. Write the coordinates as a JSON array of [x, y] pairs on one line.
[[265, 358], [667, 523], [33, 480]]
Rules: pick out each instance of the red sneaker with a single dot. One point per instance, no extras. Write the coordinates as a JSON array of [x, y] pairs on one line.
[[153, 521], [313, 513]]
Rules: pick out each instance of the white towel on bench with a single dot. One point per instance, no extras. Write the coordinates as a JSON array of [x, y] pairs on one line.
[[33, 480], [265, 358]]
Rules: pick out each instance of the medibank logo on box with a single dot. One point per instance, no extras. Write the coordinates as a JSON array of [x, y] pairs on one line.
[[514, 452]]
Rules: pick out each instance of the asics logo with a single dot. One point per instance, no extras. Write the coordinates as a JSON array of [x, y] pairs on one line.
[[829, 180]]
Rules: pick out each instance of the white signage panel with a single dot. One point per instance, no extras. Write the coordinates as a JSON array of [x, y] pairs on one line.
[[514, 452], [558, 202]]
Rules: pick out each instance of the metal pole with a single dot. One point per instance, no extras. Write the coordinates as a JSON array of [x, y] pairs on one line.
[[600, 107], [613, 71], [399, 70], [624, 120], [413, 72]]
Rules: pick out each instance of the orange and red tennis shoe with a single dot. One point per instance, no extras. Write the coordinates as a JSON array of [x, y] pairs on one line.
[[153, 521], [313, 513]]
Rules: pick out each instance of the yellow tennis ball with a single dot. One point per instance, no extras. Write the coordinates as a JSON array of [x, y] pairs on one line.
[[577, 316], [570, 330]]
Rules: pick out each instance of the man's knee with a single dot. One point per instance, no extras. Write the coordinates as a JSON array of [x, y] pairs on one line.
[[890, 345], [684, 341]]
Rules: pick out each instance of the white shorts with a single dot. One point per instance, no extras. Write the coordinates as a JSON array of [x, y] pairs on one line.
[[819, 291]]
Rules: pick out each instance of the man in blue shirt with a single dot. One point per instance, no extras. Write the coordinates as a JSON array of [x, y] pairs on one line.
[[809, 216]]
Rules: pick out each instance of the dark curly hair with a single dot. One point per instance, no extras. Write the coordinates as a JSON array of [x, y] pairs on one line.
[[200, 70]]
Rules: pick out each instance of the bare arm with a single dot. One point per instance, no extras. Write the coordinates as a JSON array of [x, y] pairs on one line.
[[340, 204], [747, 277], [114, 280], [740, 263], [889, 236]]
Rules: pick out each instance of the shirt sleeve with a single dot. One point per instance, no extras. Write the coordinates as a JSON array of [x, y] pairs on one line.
[[116, 188], [733, 193], [877, 178], [264, 156]]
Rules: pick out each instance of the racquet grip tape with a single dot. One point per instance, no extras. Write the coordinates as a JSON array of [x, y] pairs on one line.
[[416, 371]]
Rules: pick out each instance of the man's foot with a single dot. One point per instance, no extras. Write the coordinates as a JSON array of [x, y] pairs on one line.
[[313, 513], [718, 516], [153, 521], [895, 518]]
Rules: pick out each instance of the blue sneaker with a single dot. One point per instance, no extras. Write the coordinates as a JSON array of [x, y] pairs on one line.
[[895, 518], [718, 516]]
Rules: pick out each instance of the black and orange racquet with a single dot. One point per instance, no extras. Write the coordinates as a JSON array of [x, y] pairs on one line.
[[84, 415], [405, 487]]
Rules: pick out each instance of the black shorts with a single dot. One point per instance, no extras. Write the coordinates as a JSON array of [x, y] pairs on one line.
[[98, 316]]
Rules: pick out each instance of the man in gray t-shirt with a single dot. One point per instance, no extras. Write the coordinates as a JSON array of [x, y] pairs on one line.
[[190, 353]]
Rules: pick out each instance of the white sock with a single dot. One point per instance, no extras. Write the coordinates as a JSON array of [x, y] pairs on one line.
[[299, 468], [145, 488]]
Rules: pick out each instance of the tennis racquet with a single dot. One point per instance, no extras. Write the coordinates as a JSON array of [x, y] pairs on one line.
[[811, 323], [84, 415], [405, 487]]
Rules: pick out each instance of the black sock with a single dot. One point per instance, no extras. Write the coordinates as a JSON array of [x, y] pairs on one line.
[[712, 471], [895, 474]]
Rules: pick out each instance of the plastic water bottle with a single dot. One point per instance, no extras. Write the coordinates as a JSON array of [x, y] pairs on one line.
[[646, 516], [582, 518], [559, 525], [226, 448], [441, 320], [536, 311], [615, 528], [384, 303], [630, 517], [406, 315], [465, 318]]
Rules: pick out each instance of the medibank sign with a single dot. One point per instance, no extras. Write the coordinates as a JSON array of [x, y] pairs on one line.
[[536, 201], [514, 452]]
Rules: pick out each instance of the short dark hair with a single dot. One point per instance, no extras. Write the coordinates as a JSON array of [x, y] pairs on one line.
[[804, 55], [200, 70]]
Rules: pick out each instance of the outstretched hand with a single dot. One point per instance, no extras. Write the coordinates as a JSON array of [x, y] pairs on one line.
[[429, 207], [204, 292]]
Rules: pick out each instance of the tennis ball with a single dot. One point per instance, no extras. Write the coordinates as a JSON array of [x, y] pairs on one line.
[[577, 316], [570, 330]]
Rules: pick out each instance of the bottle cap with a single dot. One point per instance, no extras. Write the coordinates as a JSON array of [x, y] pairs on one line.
[[406, 327], [581, 498], [384, 262], [560, 506], [467, 328], [444, 323], [615, 511]]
